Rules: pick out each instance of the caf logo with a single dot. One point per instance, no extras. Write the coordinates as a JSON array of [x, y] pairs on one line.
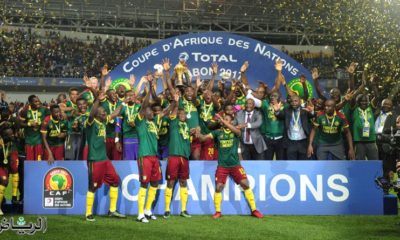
[[58, 179], [58, 188]]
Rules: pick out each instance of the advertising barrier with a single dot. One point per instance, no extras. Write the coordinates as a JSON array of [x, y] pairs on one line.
[[280, 187]]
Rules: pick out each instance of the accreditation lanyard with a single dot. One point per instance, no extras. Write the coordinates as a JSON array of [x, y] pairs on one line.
[[207, 110], [153, 126], [5, 151], [57, 124], [296, 120], [382, 119], [34, 114], [183, 127], [131, 113], [188, 106], [364, 115], [159, 123], [331, 123], [111, 107]]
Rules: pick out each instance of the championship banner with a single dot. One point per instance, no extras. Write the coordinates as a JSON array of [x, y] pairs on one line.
[[280, 188], [229, 51]]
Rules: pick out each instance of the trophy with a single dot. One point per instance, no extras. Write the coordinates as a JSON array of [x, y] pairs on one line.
[[180, 70], [225, 76]]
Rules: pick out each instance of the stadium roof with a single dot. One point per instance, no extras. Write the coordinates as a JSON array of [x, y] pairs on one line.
[[163, 18]]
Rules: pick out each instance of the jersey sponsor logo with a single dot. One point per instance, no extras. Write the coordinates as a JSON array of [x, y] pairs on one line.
[[226, 143], [328, 129], [58, 189]]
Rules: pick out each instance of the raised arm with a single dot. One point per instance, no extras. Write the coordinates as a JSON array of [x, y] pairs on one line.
[[375, 92], [315, 76], [351, 69], [243, 70], [167, 66], [214, 68], [198, 84], [234, 129], [145, 104], [104, 73], [96, 105]]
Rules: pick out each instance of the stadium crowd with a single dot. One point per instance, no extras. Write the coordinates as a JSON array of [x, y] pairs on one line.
[[52, 55], [29, 54]]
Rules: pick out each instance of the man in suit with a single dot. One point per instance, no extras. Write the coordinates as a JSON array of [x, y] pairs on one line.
[[385, 124], [297, 127], [252, 142]]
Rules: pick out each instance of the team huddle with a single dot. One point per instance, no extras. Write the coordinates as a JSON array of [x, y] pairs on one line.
[[117, 120]]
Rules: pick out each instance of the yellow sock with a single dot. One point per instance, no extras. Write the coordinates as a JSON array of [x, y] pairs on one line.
[[184, 197], [141, 200], [168, 197], [15, 182], [89, 203], [250, 198], [217, 201], [151, 197], [2, 188], [113, 198]]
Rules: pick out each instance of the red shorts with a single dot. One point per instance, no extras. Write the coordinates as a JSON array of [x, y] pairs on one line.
[[34, 152], [57, 151], [111, 149], [177, 168], [208, 151], [14, 162], [195, 145], [4, 176], [102, 172], [237, 173], [149, 169], [85, 153]]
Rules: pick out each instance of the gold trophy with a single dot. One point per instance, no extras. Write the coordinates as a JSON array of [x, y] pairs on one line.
[[180, 70]]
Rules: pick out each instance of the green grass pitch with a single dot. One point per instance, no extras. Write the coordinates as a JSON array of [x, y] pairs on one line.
[[228, 227]]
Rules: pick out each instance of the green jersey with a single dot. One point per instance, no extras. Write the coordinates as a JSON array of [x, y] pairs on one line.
[[207, 111], [228, 144], [148, 137], [129, 114], [164, 103], [179, 138], [88, 95], [271, 126], [330, 128], [52, 128], [346, 110], [363, 125], [70, 104], [191, 112], [32, 134], [162, 124], [96, 138], [110, 108]]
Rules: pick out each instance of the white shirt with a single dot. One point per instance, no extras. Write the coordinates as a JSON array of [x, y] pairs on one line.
[[380, 122]]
